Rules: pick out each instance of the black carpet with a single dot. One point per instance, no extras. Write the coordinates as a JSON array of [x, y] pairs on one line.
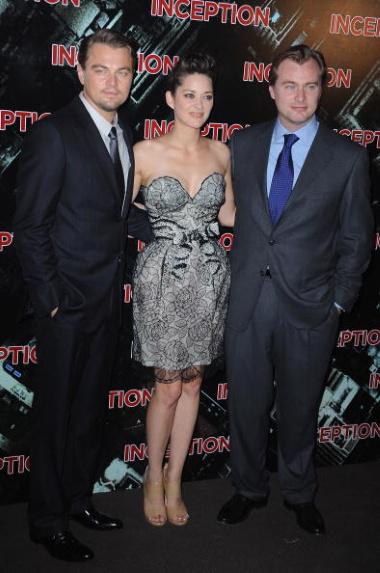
[[268, 542]]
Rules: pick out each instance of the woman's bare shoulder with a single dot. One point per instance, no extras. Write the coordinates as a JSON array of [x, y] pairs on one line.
[[147, 146], [220, 150], [148, 153]]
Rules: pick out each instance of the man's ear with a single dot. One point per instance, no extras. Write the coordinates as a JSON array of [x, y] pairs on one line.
[[80, 72], [271, 91]]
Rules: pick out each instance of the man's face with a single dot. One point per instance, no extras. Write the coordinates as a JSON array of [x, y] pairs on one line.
[[106, 78], [296, 92]]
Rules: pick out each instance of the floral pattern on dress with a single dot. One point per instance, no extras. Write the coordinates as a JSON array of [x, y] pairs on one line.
[[181, 280]]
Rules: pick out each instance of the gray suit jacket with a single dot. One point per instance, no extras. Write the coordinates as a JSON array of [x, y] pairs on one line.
[[320, 247]]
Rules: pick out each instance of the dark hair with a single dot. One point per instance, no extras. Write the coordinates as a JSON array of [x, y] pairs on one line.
[[109, 38], [194, 63], [298, 54]]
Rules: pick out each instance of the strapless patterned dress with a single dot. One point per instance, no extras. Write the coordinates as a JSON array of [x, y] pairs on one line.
[[181, 280]]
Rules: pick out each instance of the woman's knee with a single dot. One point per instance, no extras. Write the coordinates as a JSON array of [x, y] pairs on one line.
[[168, 394], [192, 389]]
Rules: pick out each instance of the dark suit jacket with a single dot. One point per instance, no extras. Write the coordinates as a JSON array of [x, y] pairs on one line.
[[70, 224], [321, 245]]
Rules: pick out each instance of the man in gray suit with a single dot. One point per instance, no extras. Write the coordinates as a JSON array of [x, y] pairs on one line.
[[302, 243]]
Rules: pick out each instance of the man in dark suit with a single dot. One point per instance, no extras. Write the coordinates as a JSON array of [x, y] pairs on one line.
[[302, 242], [73, 199]]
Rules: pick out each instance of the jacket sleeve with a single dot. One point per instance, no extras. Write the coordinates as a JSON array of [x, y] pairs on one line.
[[40, 179], [138, 224], [355, 234]]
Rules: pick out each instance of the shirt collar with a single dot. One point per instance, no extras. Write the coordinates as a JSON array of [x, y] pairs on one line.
[[306, 133], [101, 123]]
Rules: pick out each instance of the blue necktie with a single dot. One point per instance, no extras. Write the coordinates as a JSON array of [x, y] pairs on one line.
[[282, 181]]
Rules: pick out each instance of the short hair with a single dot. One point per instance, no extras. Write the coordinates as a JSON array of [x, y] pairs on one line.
[[109, 38], [192, 63], [299, 54]]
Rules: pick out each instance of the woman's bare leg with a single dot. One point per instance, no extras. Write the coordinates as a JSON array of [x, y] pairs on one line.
[[160, 416], [182, 431], [183, 426]]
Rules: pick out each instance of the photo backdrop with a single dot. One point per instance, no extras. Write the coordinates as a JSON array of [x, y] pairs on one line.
[[38, 57]]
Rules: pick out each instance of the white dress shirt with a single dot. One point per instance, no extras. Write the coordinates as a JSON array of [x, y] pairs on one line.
[[104, 127]]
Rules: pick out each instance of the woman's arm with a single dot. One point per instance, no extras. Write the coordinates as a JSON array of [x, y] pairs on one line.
[[138, 178], [138, 222], [226, 215]]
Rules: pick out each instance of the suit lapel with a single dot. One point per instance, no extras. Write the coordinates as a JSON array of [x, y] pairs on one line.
[[259, 162], [319, 156], [129, 183], [97, 149]]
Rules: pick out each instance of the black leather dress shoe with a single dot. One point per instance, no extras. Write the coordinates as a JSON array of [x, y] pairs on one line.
[[95, 520], [238, 508], [308, 517], [64, 546]]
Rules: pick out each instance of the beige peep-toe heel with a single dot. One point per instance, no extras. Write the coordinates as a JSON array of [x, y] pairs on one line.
[[154, 501], [176, 510]]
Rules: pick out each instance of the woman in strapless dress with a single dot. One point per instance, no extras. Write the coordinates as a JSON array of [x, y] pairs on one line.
[[181, 279]]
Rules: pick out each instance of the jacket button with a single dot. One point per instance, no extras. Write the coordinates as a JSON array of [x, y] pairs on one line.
[[271, 242]]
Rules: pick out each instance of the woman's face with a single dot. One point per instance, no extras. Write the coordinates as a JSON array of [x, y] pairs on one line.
[[192, 101]]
